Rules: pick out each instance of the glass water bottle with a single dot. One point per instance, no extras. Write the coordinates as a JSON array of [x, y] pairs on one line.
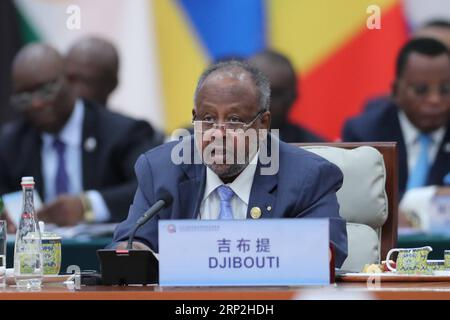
[[28, 258]]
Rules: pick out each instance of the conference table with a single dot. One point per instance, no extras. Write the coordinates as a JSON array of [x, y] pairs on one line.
[[340, 290], [83, 251]]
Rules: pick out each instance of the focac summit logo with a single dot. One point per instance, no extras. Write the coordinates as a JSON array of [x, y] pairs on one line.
[[171, 228]]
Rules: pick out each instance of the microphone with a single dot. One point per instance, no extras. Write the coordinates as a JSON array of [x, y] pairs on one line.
[[165, 200]]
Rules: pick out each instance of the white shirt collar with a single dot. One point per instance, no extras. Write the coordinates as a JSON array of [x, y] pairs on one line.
[[71, 133], [241, 186], [411, 133]]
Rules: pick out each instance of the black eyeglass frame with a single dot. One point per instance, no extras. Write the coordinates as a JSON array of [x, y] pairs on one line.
[[227, 125]]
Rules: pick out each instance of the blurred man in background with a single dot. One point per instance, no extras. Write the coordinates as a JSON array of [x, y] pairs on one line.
[[435, 29], [417, 117], [92, 66], [92, 69], [284, 92], [81, 155]]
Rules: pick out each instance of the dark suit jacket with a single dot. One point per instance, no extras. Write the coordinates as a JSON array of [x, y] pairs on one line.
[[382, 124], [304, 187], [376, 102], [107, 168]]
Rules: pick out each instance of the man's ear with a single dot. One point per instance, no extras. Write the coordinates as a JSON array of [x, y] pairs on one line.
[[193, 113]]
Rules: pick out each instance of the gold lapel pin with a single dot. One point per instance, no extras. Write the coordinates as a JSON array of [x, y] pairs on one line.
[[255, 213]]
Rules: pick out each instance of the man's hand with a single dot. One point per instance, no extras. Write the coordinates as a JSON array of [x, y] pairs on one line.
[[403, 220], [64, 211], [136, 245]]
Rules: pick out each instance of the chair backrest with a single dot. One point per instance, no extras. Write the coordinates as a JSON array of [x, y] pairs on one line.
[[368, 197]]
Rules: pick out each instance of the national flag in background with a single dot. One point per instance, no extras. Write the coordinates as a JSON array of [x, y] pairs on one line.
[[165, 44], [341, 62]]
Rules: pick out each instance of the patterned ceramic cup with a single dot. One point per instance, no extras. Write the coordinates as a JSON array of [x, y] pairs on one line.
[[411, 260], [447, 259], [436, 265], [51, 247]]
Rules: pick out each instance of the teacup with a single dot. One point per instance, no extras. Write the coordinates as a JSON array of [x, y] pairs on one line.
[[410, 260], [51, 248], [436, 265], [447, 259]]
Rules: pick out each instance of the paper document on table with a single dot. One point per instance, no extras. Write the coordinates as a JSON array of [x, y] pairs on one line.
[[83, 230], [408, 231]]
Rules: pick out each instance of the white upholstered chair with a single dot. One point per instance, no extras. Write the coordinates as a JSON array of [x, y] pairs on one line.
[[367, 199]]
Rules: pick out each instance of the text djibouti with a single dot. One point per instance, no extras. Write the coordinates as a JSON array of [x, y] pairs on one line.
[[259, 262]]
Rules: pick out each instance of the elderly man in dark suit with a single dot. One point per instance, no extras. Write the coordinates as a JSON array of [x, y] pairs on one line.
[[232, 100], [418, 117], [80, 154]]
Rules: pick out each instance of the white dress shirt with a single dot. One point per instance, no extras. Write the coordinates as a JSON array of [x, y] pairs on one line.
[[71, 135], [411, 137], [241, 186]]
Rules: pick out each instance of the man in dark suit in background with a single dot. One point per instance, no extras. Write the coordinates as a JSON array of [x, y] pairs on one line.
[[417, 117], [435, 29], [284, 91], [232, 99], [92, 69], [80, 154]]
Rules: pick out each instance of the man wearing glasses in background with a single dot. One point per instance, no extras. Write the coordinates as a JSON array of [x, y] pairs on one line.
[[417, 116], [229, 182], [80, 154]]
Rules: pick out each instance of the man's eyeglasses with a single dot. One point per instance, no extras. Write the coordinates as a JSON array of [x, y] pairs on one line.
[[228, 125], [423, 90], [22, 101]]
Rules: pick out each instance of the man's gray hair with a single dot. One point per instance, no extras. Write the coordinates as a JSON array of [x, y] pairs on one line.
[[261, 82]]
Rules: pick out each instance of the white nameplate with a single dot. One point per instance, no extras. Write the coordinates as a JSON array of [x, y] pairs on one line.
[[244, 252]]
